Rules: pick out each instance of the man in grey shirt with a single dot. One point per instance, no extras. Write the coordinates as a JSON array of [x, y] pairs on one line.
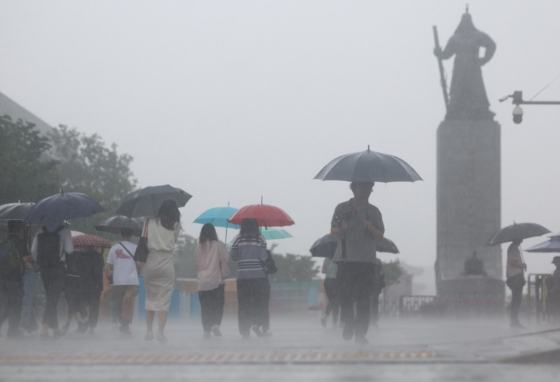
[[359, 225]]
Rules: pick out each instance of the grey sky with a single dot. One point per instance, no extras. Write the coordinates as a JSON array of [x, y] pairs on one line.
[[231, 100]]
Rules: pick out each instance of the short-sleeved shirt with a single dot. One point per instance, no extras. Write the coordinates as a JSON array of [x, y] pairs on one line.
[[329, 268], [514, 253], [161, 238], [121, 256], [360, 245]]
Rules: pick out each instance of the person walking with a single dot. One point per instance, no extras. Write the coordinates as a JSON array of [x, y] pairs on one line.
[[91, 265], [209, 254], [162, 231], [30, 281], [50, 246], [73, 290], [553, 284], [13, 254], [262, 325], [249, 251], [329, 269], [358, 224], [515, 280], [125, 278]]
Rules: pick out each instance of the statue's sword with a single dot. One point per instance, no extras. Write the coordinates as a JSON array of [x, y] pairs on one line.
[[441, 72]]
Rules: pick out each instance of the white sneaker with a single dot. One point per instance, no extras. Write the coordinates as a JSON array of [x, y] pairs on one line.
[[160, 337], [149, 336], [216, 331]]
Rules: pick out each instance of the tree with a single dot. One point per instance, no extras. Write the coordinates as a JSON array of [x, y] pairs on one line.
[[392, 271], [88, 166], [293, 267], [27, 172]]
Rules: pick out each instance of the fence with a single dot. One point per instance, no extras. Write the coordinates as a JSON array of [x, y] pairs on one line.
[[538, 297]]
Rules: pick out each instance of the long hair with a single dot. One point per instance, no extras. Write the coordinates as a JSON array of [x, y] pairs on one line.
[[249, 228], [207, 234], [168, 214]]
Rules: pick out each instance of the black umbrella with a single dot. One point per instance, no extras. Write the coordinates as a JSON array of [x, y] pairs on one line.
[[368, 166], [517, 231], [116, 223], [15, 211], [63, 206], [146, 202], [326, 246]]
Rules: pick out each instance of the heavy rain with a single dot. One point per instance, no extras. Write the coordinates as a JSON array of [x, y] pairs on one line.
[[279, 190]]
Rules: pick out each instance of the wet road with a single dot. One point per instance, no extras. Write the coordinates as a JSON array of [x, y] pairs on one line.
[[299, 350]]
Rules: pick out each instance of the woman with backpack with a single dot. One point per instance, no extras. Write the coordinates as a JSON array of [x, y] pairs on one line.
[[210, 253], [249, 250], [162, 231]]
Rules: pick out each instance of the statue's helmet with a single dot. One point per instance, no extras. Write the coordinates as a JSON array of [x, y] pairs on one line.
[[466, 25]]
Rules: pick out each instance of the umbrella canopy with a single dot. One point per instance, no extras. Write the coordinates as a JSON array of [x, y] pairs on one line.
[[326, 246], [274, 233], [517, 231], [266, 215], [15, 211], [368, 166], [91, 241], [218, 217], [146, 202], [549, 246], [556, 234], [116, 223], [63, 206]]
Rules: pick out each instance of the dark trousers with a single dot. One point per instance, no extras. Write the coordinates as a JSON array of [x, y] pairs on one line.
[[355, 283], [375, 305], [263, 312], [91, 297], [516, 296], [251, 294], [13, 293], [74, 299], [53, 281], [211, 307], [331, 289]]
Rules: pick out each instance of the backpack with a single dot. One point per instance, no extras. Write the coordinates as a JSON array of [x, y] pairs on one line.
[[48, 248], [10, 263]]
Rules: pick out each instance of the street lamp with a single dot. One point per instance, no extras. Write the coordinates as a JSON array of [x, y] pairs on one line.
[[517, 99]]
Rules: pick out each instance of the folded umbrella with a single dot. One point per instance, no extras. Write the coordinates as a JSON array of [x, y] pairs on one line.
[[326, 246], [517, 231], [146, 201], [368, 166], [15, 211], [266, 215], [81, 241], [549, 246], [63, 206], [116, 223]]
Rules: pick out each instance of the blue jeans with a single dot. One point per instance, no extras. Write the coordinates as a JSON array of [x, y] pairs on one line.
[[28, 319]]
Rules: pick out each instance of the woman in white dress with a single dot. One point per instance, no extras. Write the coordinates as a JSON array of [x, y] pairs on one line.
[[162, 232]]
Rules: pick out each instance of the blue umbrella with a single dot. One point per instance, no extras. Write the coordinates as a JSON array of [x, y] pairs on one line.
[[551, 245], [275, 233], [218, 217], [63, 206], [368, 166]]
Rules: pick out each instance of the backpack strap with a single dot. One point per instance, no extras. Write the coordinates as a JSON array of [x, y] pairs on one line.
[[126, 249]]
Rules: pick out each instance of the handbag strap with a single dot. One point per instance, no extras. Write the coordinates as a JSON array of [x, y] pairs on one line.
[[126, 249], [145, 229]]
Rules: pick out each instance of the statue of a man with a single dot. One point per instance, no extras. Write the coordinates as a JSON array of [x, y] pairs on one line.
[[467, 98]]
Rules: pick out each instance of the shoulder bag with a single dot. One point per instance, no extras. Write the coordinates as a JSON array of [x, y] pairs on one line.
[[224, 267], [141, 253]]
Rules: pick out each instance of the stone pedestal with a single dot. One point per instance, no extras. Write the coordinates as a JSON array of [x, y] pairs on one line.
[[468, 206]]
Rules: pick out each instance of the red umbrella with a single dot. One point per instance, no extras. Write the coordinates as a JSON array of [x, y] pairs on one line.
[[90, 241], [267, 216]]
